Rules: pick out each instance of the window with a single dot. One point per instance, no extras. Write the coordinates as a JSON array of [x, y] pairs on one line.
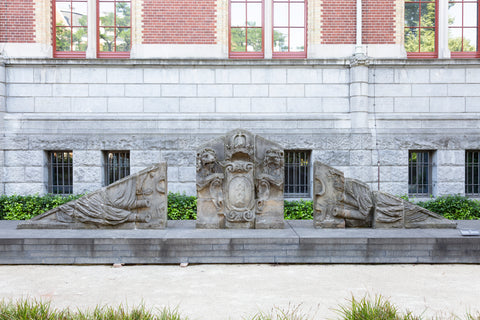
[[472, 173], [246, 28], [419, 173], [420, 28], [289, 28], [116, 165], [70, 28], [463, 28], [297, 174], [114, 28], [60, 172]]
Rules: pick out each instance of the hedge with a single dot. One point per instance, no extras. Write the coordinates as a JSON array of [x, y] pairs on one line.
[[183, 207]]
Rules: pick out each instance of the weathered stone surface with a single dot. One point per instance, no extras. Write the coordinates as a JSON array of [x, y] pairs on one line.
[[138, 201], [340, 202], [240, 182]]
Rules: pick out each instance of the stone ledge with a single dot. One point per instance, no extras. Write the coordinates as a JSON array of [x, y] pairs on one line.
[[180, 242]]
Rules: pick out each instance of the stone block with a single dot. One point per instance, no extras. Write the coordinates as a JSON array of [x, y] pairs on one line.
[[187, 174], [304, 105], [394, 173], [447, 104], [179, 158], [143, 159], [334, 158], [89, 105], [361, 158], [29, 90], [450, 157], [197, 75], [56, 105], [125, 105], [197, 105], [245, 90], [106, 90], [125, 75], [396, 188], [232, 105], [70, 90], [359, 73], [450, 174], [336, 105], [179, 90], [290, 90], [410, 105], [87, 158], [20, 105], [269, 75], [19, 74], [88, 75], [359, 89], [393, 90], [183, 188], [269, 105], [464, 90], [51, 75], [304, 75], [381, 75], [25, 188], [472, 104], [13, 174], [214, 90], [449, 188], [381, 105], [412, 75], [173, 175], [161, 105], [232, 75], [429, 90], [336, 75], [390, 157], [472, 75], [161, 75], [86, 174], [445, 75], [326, 90], [142, 90], [34, 174]]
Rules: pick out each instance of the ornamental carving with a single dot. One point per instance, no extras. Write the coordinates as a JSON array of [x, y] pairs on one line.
[[341, 202], [240, 182], [138, 201]]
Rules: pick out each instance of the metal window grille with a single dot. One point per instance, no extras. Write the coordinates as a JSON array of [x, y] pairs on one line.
[[472, 173], [117, 165], [419, 173], [60, 172], [297, 174]]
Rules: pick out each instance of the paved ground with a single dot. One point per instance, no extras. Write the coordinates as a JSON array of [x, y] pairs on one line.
[[239, 291]]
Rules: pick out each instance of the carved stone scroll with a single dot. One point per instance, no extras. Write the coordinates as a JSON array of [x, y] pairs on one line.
[[138, 201], [240, 182], [340, 203]]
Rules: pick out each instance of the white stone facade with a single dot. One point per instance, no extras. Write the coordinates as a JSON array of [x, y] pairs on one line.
[[361, 118]]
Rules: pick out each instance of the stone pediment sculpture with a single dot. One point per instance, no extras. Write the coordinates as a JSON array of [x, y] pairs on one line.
[[240, 180], [138, 201], [341, 202]]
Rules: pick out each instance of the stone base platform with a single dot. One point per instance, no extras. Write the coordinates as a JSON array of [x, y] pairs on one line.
[[299, 242]]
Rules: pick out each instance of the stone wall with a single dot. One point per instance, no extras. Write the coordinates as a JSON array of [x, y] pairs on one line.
[[350, 115]]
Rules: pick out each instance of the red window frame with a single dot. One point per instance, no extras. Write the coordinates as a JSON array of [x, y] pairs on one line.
[[466, 54], [113, 54], [66, 54], [420, 54], [246, 54], [290, 54]]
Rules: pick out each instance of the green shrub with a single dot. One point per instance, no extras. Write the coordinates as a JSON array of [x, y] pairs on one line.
[[181, 207], [454, 207], [26, 207], [298, 210]]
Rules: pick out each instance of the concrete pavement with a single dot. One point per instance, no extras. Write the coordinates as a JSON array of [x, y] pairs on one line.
[[212, 292]]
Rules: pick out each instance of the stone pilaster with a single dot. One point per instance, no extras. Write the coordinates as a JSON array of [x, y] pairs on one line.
[[3, 108], [359, 93]]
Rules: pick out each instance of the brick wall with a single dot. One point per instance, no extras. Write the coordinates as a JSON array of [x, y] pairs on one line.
[[338, 21], [179, 22], [379, 21], [17, 21]]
